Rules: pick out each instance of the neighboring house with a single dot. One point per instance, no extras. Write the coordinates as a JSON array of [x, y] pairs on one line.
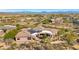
[[53, 20], [77, 31], [21, 19], [5, 19], [23, 36], [1, 32], [57, 21], [76, 22], [7, 27], [29, 18]]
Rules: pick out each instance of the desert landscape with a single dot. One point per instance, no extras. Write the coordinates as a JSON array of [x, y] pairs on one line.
[[39, 31]]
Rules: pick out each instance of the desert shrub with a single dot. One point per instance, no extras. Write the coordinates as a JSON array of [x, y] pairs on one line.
[[18, 26], [46, 21], [13, 46], [70, 37], [11, 34], [62, 31]]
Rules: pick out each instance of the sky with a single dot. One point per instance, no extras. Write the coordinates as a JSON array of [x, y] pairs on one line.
[[39, 10]]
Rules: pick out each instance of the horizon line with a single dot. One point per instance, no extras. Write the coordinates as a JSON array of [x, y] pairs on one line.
[[39, 10]]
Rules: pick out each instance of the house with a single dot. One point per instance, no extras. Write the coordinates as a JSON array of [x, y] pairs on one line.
[[7, 27], [53, 31], [27, 33], [1, 32], [29, 18], [76, 22], [42, 34], [34, 30], [23, 36], [53, 20], [45, 33], [57, 20]]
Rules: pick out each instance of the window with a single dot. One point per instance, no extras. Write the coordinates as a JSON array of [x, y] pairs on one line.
[[77, 40], [29, 38], [18, 39]]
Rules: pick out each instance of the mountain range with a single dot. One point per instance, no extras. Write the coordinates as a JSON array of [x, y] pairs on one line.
[[39, 11]]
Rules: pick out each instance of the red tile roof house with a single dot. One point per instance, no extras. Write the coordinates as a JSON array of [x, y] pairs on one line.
[[23, 36]]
